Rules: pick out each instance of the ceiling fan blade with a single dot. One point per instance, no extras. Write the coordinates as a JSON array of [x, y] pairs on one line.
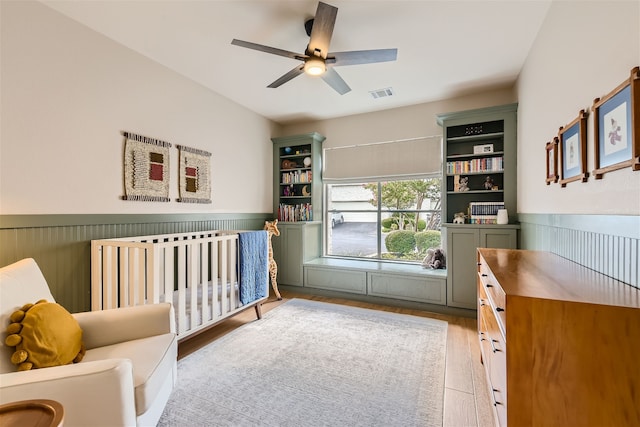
[[356, 57], [289, 76], [334, 80], [268, 49], [322, 30]]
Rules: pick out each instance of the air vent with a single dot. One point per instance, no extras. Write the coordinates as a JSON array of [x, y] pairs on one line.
[[381, 93]]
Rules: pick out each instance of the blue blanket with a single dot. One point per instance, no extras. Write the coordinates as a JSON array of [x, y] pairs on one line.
[[253, 265]]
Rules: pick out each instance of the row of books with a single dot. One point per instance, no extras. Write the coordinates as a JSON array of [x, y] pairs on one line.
[[487, 164], [490, 219], [484, 212], [296, 177], [293, 213]]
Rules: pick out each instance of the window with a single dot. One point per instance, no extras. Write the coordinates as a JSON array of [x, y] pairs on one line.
[[389, 220]]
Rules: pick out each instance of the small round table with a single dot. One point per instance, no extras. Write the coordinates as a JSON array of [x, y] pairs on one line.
[[32, 413]]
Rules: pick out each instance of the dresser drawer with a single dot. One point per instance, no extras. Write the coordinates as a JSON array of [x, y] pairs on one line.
[[494, 292], [494, 356], [483, 330]]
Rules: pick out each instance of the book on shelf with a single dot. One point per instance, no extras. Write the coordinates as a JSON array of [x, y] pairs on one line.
[[486, 164], [296, 177], [484, 212], [294, 213]]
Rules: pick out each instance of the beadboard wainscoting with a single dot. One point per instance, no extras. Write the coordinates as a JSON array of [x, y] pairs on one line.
[[609, 244], [61, 244]]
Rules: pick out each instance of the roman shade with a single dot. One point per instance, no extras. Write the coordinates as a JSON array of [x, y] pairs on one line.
[[401, 159]]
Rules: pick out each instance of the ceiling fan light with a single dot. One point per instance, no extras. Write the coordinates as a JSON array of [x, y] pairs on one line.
[[314, 66]]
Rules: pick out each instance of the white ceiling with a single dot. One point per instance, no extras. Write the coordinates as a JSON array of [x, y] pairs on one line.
[[445, 48]]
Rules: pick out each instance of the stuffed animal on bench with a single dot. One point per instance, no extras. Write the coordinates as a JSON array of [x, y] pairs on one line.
[[435, 259]]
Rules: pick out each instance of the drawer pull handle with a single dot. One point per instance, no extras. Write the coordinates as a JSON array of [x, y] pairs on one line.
[[493, 348], [479, 264], [493, 394], [488, 285], [499, 309], [481, 302], [482, 338], [483, 275]]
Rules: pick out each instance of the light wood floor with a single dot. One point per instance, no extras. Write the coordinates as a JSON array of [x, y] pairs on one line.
[[466, 397]]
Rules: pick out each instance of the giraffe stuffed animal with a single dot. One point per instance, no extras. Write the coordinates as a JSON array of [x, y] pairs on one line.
[[272, 230]]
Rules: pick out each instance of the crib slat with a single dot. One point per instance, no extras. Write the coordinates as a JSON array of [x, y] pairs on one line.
[[141, 277], [204, 281], [223, 279], [168, 272], [233, 299], [111, 274], [127, 292], [181, 309], [96, 275], [192, 260], [215, 307], [131, 278], [153, 286]]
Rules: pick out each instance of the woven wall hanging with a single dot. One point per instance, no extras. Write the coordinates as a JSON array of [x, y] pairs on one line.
[[146, 168], [194, 175]]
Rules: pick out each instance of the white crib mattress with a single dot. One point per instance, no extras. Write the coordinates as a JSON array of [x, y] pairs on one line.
[[183, 319]]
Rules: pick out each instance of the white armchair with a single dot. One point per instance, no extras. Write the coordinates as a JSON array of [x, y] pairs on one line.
[[126, 375]]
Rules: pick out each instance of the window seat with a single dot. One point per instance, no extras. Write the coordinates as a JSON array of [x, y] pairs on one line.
[[375, 265], [409, 282]]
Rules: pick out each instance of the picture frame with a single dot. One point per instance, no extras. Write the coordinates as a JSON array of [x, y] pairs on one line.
[[483, 149], [572, 141], [552, 161], [616, 121]]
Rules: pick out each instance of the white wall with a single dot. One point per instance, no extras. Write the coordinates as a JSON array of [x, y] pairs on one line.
[[583, 51], [68, 92]]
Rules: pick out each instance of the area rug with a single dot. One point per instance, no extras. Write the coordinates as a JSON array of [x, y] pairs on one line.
[[309, 363]]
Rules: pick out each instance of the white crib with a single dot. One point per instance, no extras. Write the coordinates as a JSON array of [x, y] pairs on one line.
[[195, 271]]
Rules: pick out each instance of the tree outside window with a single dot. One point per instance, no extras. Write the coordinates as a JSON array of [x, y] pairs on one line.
[[391, 220]]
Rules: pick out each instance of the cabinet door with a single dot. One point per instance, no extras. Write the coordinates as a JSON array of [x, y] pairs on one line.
[[290, 266], [499, 238], [298, 242], [461, 267]]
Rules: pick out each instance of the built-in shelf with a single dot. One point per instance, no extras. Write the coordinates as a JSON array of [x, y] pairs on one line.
[[466, 156], [478, 137], [474, 192]]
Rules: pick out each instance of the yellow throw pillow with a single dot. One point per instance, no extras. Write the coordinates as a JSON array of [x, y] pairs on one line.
[[44, 334]]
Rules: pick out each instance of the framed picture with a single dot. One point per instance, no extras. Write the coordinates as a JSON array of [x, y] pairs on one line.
[[552, 161], [572, 140], [615, 125]]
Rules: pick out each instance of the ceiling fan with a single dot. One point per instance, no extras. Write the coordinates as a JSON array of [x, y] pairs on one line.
[[317, 60]]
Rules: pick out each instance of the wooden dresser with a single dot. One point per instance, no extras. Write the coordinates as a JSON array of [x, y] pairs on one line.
[[560, 342]]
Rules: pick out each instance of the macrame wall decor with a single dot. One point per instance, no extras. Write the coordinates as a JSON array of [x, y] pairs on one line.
[[194, 175], [146, 169]]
